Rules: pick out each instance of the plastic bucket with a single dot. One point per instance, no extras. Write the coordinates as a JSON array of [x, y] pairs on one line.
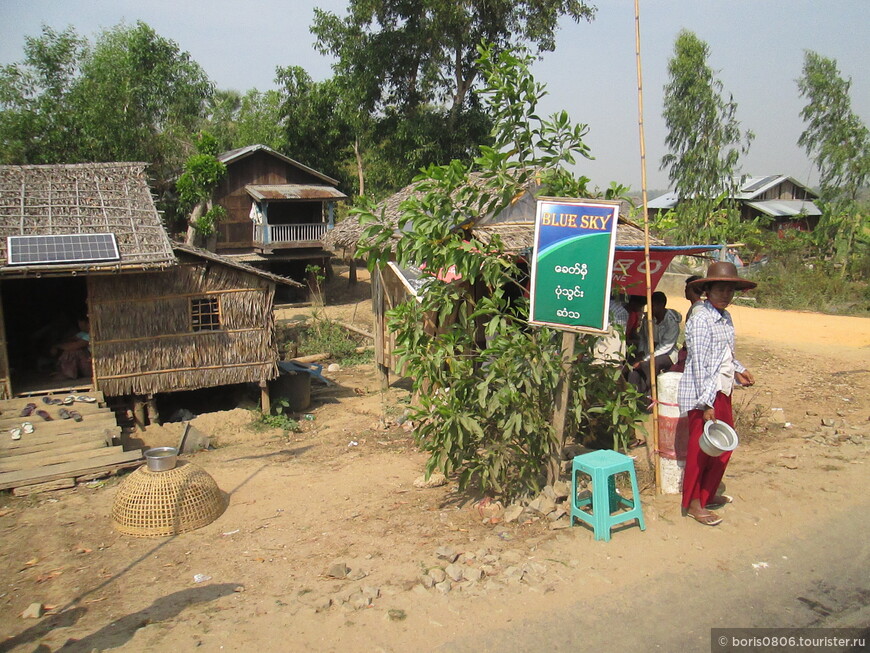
[[718, 438]]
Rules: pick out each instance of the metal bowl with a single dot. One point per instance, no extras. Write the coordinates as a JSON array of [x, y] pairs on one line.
[[161, 459], [718, 438]]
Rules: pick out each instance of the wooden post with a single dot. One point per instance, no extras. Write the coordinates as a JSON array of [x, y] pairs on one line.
[[380, 329], [560, 410], [139, 414], [151, 405], [643, 187], [265, 402]]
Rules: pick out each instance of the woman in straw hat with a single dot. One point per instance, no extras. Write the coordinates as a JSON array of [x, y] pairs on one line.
[[705, 389]]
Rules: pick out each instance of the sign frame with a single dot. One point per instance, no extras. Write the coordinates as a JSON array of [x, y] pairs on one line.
[[563, 225]]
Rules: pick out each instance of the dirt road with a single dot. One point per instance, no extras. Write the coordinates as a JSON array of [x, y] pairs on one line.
[[342, 492]]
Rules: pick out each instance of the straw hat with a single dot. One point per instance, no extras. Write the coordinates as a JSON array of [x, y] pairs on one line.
[[722, 271]]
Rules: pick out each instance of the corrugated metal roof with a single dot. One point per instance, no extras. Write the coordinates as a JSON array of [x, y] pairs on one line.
[[786, 208], [667, 201], [294, 192], [242, 152]]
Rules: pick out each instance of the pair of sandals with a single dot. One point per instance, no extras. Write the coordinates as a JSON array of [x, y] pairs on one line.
[[70, 414], [26, 427], [30, 409], [708, 518], [67, 401]]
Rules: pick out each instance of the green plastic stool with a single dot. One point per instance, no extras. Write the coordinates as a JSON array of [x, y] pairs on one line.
[[602, 467]]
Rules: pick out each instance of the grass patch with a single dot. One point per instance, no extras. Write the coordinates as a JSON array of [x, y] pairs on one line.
[[322, 336]]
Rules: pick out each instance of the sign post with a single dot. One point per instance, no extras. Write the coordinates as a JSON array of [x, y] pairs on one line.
[[570, 285], [572, 264]]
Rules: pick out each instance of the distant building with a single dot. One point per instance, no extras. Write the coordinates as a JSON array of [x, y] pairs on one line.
[[278, 211], [789, 203]]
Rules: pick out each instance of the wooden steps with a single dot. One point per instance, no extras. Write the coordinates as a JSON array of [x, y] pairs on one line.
[[61, 450]]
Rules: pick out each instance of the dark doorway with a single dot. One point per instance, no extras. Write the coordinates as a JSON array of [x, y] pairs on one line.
[[41, 313]]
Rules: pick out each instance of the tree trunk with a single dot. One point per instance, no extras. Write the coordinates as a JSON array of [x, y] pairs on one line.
[[192, 237], [359, 167]]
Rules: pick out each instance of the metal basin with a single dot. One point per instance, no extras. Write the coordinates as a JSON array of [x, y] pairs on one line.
[[161, 459]]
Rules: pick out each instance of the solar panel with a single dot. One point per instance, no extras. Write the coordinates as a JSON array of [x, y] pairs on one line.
[[61, 248]]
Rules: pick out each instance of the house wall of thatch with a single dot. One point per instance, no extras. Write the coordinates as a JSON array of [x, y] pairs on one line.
[[142, 332]]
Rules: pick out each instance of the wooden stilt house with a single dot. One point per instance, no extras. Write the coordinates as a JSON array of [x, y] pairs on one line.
[[86, 240]]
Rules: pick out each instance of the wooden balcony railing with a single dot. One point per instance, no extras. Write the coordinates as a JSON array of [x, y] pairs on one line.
[[269, 234]]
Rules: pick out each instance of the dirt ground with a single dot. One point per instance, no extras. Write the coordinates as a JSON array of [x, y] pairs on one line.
[[341, 494]]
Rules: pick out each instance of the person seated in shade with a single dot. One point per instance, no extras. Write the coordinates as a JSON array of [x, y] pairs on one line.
[[666, 332], [74, 354], [695, 297]]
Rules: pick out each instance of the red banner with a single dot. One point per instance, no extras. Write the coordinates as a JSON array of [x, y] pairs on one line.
[[629, 269]]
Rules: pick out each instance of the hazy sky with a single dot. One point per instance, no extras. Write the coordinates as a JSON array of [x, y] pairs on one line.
[[756, 45]]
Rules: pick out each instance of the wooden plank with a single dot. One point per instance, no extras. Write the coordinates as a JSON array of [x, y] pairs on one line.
[[55, 447], [60, 484], [13, 447], [43, 434], [65, 470], [33, 461], [51, 456]]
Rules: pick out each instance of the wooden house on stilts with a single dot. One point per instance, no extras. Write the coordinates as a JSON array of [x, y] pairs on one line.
[[85, 240]]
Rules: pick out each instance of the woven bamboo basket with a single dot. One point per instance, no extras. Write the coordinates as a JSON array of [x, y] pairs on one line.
[[157, 504]]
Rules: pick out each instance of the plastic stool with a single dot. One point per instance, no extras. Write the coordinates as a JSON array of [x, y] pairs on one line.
[[602, 467]]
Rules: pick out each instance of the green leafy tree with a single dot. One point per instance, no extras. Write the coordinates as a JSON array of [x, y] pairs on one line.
[[139, 98], [705, 143], [486, 381], [202, 172], [839, 143], [37, 119]]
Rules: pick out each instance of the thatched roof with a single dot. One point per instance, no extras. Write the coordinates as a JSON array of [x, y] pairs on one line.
[[515, 225], [85, 198], [196, 252]]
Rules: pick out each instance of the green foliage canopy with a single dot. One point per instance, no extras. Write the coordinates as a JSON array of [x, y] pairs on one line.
[[705, 143], [839, 143], [486, 380]]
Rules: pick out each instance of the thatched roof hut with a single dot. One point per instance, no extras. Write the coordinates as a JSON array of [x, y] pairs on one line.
[[515, 224], [163, 317], [83, 198]]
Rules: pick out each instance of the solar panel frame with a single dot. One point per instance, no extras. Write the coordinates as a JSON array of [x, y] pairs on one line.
[[59, 249]]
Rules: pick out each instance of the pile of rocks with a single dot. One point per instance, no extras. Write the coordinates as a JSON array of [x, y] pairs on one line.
[[551, 504], [475, 571], [836, 431]]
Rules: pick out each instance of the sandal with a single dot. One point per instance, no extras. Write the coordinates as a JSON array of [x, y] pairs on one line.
[[708, 519], [27, 411], [76, 415], [85, 399], [15, 433], [27, 427], [68, 400], [726, 499], [64, 413], [637, 442], [44, 415]]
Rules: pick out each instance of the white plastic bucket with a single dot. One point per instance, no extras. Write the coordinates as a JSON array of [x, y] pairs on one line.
[[718, 438]]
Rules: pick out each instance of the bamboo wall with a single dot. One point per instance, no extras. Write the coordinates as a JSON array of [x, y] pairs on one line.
[[142, 339]]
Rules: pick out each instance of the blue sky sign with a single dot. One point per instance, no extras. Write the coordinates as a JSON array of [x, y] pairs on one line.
[[572, 263]]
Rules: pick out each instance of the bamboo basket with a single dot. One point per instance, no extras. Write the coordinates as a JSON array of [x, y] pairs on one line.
[[158, 504]]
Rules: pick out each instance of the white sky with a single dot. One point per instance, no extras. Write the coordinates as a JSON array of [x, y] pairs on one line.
[[756, 45]]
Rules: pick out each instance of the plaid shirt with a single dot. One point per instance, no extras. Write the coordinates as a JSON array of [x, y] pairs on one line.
[[710, 341]]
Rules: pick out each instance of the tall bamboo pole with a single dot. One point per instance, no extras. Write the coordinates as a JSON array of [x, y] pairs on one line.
[[649, 308]]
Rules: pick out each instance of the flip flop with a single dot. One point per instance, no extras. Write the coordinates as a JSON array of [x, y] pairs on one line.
[[727, 499], [77, 417], [636, 443], [85, 399], [27, 411], [15, 433], [27, 427], [68, 400], [64, 413], [44, 415], [706, 520]]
